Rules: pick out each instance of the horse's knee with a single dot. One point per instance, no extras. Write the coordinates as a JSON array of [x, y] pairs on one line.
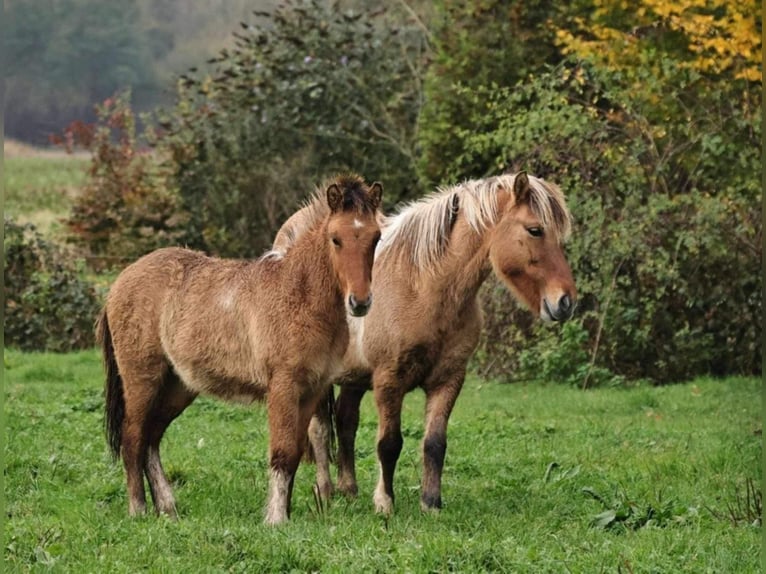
[[434, 449], [389, 448]]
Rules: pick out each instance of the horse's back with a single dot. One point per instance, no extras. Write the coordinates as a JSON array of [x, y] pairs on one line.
[[142, 286]]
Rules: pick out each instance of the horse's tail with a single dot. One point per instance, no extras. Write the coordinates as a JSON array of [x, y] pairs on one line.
[[326, 414], [114, 408]]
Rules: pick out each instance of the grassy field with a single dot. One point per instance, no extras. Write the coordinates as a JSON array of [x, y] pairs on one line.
[[40, 184], [538, 478]]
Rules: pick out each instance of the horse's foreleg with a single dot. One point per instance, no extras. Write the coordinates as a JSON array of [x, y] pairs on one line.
[[347, 423], [289, 419], [439, 403], [388, 398]]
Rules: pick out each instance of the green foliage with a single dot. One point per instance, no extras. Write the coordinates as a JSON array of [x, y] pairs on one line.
[[308, 90], [128, 206], [624, 512], [66, 499], [477, 43], [659, 161], [48, 305]]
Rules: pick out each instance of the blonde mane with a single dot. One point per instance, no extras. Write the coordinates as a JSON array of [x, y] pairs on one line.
[[422, 228]]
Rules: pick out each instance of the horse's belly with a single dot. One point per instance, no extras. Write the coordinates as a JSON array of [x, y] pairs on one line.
[[224, 385]]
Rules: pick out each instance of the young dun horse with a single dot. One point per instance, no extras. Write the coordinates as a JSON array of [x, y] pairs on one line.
[[177, 323], [434, 256]]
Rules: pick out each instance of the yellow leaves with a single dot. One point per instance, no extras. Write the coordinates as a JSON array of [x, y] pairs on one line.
[[721, 37]]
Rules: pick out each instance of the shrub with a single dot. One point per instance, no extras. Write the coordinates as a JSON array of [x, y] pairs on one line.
[[48, 305], [129, 205], [308, 90], [477, 43]]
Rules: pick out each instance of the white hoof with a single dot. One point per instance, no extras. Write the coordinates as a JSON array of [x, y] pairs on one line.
[[384, 504]]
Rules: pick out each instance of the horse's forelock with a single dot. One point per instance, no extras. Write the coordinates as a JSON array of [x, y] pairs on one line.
[[547, 202], [356, 197], [356, 194]]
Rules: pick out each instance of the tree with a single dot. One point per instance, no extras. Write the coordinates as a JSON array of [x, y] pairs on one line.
[[64, 55], [478, 43]]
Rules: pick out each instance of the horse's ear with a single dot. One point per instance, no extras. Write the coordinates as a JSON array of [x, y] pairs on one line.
[[376, 193], [521, 187], [334, 197]]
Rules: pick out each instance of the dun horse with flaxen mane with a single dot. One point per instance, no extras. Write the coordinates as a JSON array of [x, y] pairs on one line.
[[178, 323], [433, 257]]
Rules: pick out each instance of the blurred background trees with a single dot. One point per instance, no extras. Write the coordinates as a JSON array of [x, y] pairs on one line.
[[646, 113], [64, 56]]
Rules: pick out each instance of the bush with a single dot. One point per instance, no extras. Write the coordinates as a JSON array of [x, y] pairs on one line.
[[478, 43], [48, 305], [129, 205], [308, 90]]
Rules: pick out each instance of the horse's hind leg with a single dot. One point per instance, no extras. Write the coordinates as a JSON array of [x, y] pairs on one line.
[[170, 402], [320, 430], [140, 391], [439, 403], [347, 423]]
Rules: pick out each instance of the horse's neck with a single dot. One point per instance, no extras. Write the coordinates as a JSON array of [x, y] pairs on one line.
[[466, 264], [308, 261]]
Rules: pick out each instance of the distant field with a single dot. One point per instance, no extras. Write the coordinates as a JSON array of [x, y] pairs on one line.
[[525, 469], [40, 184]]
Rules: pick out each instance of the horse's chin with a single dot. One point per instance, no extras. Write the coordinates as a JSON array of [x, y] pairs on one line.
[[545, 316], [357, 314]]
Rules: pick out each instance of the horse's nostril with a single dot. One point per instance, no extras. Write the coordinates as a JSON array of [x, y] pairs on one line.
[[565, 303]]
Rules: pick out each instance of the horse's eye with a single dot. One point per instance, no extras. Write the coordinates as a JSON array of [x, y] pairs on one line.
[[535, 231], [336, 242]]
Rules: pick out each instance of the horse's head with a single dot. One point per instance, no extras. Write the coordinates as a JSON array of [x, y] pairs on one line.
[[353, 234], [526, 251]]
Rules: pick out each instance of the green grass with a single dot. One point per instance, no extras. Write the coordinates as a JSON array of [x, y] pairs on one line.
[[40, 189], [683, 452]]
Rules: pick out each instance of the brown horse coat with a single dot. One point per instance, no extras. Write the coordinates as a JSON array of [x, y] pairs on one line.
[[434, 256], [178, 323]]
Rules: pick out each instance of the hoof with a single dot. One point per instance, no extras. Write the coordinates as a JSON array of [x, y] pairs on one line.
[[169, 513], [275, 519], [431, 504], [429, 509], [325, 491], [349, 490], [136, 510], [384, 504]]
